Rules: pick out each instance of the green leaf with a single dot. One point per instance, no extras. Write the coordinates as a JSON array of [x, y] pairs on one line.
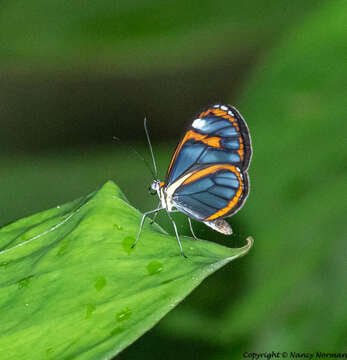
[[71, 287]]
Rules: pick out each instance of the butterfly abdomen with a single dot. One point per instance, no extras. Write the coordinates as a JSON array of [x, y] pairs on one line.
[[220, 225]]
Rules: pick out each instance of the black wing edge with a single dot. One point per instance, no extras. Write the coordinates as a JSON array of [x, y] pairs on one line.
[[246, 137], [242, 199]]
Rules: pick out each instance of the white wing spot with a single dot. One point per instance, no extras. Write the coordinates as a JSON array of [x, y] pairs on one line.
[[231, 113], [223, 107], [199, 123], [215, 106]]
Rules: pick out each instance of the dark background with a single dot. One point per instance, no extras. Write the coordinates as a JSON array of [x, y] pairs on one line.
[[75, 74]]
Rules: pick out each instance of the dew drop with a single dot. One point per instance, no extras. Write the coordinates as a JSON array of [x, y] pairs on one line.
[[89, 311], [24, 238], [25, 282], [58, 207], [63, 248], [117, 227], [125, 314], [100, 283], [154, 267], [49, 352], [117, 330], [127, 244]]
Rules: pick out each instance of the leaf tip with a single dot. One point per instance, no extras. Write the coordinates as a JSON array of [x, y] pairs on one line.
[[244, 249], [110, 187], [248, 246], [250, 242]]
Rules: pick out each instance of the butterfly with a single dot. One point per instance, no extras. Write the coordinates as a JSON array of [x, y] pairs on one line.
[[207, 178]]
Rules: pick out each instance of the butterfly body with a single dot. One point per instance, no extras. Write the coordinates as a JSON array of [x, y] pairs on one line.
[[207, 177]]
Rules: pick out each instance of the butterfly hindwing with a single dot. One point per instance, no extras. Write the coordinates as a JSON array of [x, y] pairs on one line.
[[219, 135], [213, 192]]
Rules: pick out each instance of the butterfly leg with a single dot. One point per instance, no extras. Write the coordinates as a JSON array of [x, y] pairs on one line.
[[155, 214], [142, 222], [191, 229], [177, 236]]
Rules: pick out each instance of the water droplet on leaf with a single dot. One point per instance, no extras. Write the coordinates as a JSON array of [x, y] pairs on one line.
[[117, 227], [89, 311], [25, 282], [49, 352], [63, 248], [154, 267], [127, 244], [125, 314], [117, 330], [100, 283]]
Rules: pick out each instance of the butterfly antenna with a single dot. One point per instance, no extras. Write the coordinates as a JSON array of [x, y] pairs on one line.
[[140, 156], [150, 147]]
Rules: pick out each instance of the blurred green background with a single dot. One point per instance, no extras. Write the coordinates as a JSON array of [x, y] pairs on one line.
[[75, 74]]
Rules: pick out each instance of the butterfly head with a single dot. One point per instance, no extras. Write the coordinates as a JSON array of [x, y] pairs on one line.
[[155, 187]]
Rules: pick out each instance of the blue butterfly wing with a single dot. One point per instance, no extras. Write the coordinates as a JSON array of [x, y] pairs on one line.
[[214, 192], [219, 135]]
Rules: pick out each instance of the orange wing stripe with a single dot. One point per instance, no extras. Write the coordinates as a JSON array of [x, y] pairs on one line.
[[210, 170], [210, 141], [241, 150]]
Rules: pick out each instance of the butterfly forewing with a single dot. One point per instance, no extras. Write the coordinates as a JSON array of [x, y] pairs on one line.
[[213, 157], [218, 135]]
